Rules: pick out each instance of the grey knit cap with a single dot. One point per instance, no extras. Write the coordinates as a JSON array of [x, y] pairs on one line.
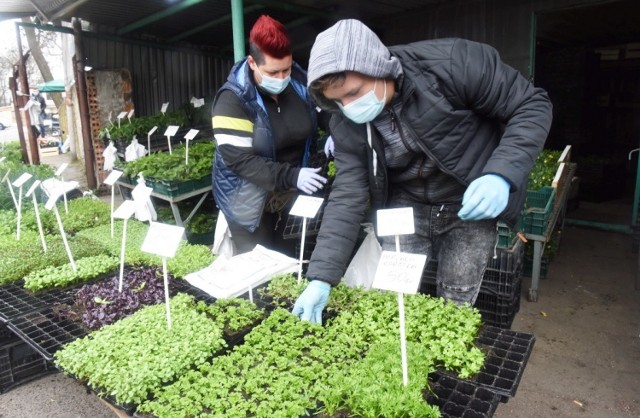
[[349, 45]]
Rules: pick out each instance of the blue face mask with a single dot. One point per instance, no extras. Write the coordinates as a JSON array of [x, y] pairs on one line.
[[273, 85], [365, 108]]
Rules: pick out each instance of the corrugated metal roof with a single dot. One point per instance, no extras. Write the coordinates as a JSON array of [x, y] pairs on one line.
[[203, 23]]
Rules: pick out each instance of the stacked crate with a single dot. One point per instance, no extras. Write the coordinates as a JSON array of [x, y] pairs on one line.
[[499, 297]]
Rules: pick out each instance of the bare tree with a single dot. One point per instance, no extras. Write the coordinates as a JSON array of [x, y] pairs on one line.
[[36, 41]]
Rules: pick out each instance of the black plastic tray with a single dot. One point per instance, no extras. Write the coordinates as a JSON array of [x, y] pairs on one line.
[[16, 301], [20, 363], [458, 398], [507, 356], [46, 332]]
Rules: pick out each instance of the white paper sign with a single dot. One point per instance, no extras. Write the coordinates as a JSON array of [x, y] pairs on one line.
[[24, 177], [125, 210], [171, 130], [162, 239], [197, 102], [33, 188], [130, 114], [395, 222], [164, 107], [141, 192], [191, 134], [155, 128], [399, 272], [112, 177], [306, 206], [122, 115], [62, 167]]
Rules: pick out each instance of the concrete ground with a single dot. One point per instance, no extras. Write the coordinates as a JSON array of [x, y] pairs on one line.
[[585, 362]]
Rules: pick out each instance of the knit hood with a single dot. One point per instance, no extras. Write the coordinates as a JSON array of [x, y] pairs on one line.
[[349, 45]]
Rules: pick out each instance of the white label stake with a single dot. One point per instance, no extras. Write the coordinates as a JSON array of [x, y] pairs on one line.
[[188, 137], [31, 192], [149, 138], [307, 207], [171, 131], [51, 205], [24, 177], [399, 272], [58, 173], [163, 240], [120, 116], [13, 195], [111, 180], [125, 211]]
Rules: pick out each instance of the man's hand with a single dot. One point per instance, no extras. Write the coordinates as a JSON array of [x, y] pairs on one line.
[[485, 198], [312, 301], [309, 181]]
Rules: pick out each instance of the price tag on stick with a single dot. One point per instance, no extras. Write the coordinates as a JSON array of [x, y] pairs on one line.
[[51, 205], [306, 207], [151, 131], [163, 240], [188, 137], [5, 178], [164, 107], [58, 173], [169, 132], [130, 114], [110, 181], [19, 182], [120, 116], [31, 192], [124, 211]]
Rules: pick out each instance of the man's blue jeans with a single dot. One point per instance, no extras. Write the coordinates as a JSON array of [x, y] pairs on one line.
[[461, 248]]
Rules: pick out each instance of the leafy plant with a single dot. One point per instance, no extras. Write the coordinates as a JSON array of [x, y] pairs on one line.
[[544, 169], [102, 304], [232, 314], [133, 358], [61, 276]]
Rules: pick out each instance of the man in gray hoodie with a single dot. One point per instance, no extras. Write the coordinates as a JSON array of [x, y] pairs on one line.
[[442, 126]]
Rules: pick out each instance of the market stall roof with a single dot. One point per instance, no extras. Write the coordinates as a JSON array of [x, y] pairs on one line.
[[52, 86], [203, 23]]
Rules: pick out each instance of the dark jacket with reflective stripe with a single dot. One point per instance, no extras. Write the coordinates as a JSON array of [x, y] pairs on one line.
[[472, 114], [241, 201]]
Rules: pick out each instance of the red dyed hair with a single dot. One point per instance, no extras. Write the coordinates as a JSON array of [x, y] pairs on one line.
[[270, 37]]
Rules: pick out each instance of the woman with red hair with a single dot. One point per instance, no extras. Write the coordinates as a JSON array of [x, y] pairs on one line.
[[264, 124]]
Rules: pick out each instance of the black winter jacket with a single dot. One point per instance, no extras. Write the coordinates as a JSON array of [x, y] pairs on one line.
[[472, 114]]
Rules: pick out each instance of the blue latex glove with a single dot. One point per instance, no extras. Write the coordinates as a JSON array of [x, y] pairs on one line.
[[329, 147], [485, 198], [309, 181], [312, 301]]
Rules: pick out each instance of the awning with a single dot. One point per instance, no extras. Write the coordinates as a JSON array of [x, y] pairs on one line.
[[53, 86]]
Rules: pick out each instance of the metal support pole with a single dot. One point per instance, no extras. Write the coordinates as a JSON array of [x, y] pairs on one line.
[[237, 20], [83, 104]]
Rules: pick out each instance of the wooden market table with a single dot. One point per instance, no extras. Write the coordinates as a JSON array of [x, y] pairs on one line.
[[556, 219], [173, 200]]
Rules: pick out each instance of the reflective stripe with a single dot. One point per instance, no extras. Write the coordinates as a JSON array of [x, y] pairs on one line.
[[226, 122], [238, 141]]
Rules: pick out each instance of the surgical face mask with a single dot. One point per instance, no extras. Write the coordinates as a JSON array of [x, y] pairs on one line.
[[273, 85], [366, 108]]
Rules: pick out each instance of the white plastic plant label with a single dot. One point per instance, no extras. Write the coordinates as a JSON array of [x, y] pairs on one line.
[[125, 210], [306, 206], [399, 272], [61, 169], [164, 107], [112, 177], [191, 134], [395, 222], [53, 198], [162, 239], [122, 115], [152, 130], [2, 159], [130, 114], [6, 176], [171, 130], [33, 188], [20, 181]]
